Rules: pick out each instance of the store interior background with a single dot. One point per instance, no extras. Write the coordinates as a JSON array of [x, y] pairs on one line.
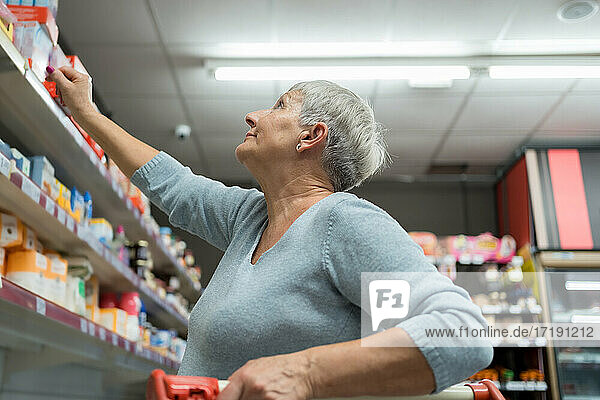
[[151, 63]]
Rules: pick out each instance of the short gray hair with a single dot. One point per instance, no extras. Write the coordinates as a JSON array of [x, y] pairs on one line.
[[355, 148]]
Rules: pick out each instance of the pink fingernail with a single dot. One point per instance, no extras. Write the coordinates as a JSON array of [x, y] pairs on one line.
[[49, 69]]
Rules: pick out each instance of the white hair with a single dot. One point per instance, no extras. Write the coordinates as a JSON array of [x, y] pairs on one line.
[[355, 148]]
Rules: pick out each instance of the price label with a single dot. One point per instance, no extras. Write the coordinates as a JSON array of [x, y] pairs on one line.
[[136, 213], [91, 328], [102, 333], [83, 325], [103, 169], [70, 224], [127, 346], [515, 309], [40, 306], [113, 183], [92, 156], [129, 204], [60, 215], [530, 385], [31, 190], [50, 205], [4, 166], [120, 192], [115, 339]]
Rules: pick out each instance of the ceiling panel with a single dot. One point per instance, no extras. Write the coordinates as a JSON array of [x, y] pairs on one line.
[[536, 19], [492, 86], [193, 21], [585, 85], [184, 151], [400, 167], [505, 112], [221, 159], [128, 69], [419, 146], [451, 20], [402, 89], [481, 150], [106, 21], [591, 135], [491, 132], [576, 112], [147, 116], [401, 114], [225, 116], [330, 21]]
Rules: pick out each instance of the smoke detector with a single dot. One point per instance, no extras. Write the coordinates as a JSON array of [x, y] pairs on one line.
[[577, 10]]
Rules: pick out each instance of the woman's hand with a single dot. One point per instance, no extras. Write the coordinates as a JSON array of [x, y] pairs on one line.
[[74, 88], [283, 377]]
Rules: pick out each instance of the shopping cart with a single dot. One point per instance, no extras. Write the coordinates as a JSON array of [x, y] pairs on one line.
[[172, 387]]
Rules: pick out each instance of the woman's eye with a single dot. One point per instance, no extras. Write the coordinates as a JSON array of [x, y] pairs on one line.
[[279, 105]]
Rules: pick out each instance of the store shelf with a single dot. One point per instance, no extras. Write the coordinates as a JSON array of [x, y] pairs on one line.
[[566, 259], [510, 310], [60, 232], [583, 357], [523, 386], [28, 322], [28, 110]]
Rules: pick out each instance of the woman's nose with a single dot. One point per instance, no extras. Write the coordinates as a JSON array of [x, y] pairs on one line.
[[251, 119]]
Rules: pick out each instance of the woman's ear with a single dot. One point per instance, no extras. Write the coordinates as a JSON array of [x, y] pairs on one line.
[[314, 136]]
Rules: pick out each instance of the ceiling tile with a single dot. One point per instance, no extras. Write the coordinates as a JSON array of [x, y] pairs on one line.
[[507, 86], [106, 21], [128, 69], [585, 85], [419, 146], [481, 150], [192, 21], [576, 112], [225, 117], [403, 168], [491, 132], [536, 19], [505, 112], [400, 114], [330, 21], [454, 20], [221, 159], [394, 88], [148, 116]]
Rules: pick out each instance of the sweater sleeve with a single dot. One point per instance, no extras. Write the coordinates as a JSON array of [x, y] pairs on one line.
[[364, 238], [202, 206]]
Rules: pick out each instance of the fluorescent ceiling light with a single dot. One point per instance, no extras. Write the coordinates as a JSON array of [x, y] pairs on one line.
[[378, 72], [585, 319], [582, 285], [544, 71]]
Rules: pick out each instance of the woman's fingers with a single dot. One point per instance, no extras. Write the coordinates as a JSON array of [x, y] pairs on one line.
[[70, 73], [57, 76], [233, 391]]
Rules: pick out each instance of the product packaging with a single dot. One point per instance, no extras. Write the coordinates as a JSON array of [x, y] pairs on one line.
[[102, 229], [75, 295], [56, 278], [42, 173], [64, 197], [91, 142], [34, 44], [11, 231], [20, 161], [114, 319], [130, 303], [43, 15], [5, 149], [26, 268], [92, 292], [2, 261], [51, 4], [77, 204], [29, 241]]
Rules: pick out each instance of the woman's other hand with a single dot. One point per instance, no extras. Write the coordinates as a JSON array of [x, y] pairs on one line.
[[283, 377], [74, 88]]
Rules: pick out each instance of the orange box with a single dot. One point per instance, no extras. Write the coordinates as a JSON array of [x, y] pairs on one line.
[[114, 319], [2, 261], [29, 241], [43, 15], [11, 231]]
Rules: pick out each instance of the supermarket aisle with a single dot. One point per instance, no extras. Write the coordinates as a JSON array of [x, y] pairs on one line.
[[491, 119]]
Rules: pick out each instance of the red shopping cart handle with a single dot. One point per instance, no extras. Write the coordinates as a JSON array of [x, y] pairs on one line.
[[172, 387]]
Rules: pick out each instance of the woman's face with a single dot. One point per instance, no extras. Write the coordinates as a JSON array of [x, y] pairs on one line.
[[273, 135]]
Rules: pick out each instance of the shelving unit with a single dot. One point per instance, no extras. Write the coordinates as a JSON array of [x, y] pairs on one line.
[[24, 198], [28, 110], [40, 334]]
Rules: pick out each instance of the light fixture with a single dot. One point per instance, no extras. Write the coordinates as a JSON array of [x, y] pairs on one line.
[[544, 71], [577, 10], [420, 74], [582, 285], [585, 319]]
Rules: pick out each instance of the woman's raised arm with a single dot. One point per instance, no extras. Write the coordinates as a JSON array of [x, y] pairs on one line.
[[126, 151]]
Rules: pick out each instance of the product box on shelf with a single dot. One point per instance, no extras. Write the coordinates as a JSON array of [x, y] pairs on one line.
[[43, 15], [7, 19], [114, 319], [42, 173], [2, 261], [11, 231], [93, 145], [20, 161], [26, 268], [35, 45], [29, 241], [56, 278]]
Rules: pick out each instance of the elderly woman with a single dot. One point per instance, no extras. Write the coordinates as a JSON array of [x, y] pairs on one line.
[[281, 315]]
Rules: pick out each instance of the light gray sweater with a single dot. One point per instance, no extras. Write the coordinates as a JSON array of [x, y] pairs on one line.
[[305, 291]]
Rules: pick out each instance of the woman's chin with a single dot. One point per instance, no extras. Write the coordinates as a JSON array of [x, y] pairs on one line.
[[242, 152]]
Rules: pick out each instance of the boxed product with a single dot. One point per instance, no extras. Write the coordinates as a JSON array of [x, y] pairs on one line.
[[20, 161], [91, 142], [77, 204], [11, 231], [56, 278], [35, 45], [2, 261], [75, 295], [79, 266], [29, 241], [64, 196], [26, 268], [114, 319], [102, 229], [43, 15], [5, 149], [42, 173]]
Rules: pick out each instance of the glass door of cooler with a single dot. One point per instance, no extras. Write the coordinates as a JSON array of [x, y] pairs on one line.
[[574, 297]]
